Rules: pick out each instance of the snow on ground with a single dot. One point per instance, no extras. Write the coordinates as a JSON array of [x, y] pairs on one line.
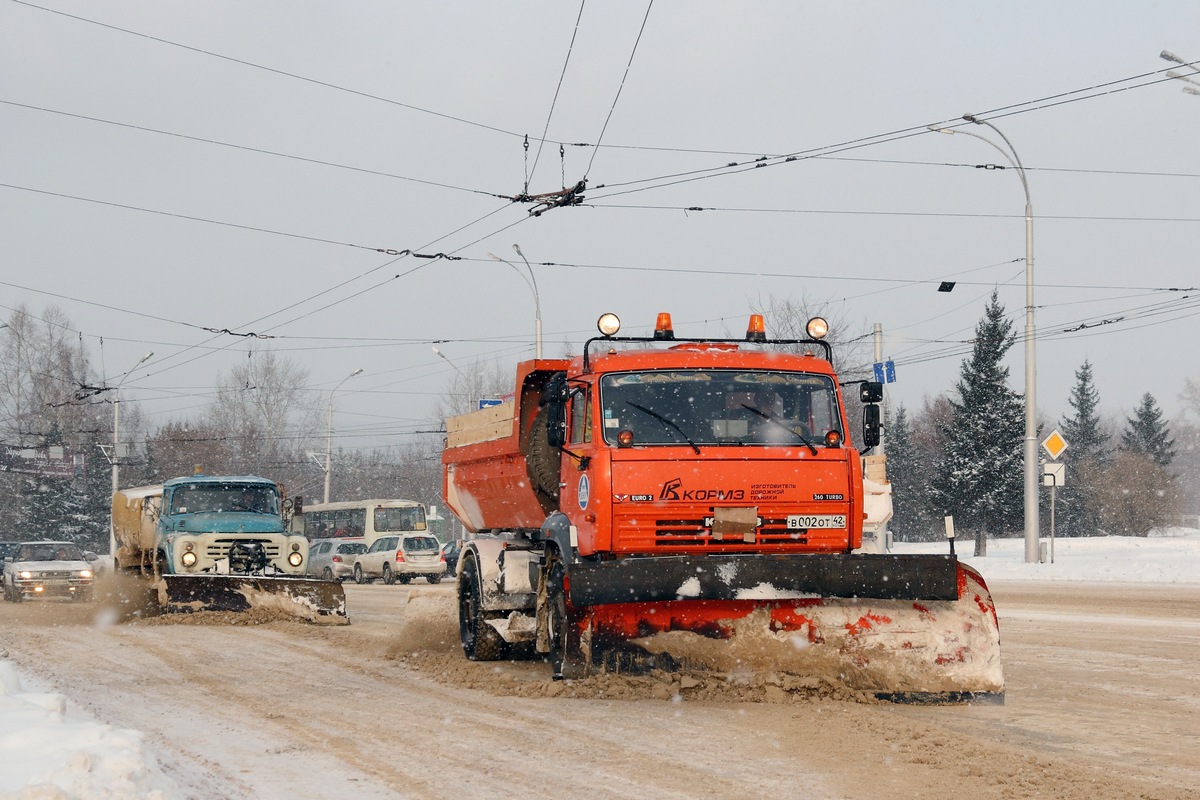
[[49, 752], [1167, 556]]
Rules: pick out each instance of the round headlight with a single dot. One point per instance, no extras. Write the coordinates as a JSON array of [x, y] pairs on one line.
[[85, 573], [817, 328], [608, 324], [295, 559], [188, 559], [25, 575]]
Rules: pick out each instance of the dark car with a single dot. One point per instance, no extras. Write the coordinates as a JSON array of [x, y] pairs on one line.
[[7, 549], [451, 550]]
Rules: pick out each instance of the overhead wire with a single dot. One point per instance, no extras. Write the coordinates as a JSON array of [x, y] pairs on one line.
[[554, 102], [620, 88], [248, 149]]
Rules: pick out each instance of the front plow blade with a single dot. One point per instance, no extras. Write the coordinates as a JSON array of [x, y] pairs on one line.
[[940, 650], [321, 602]]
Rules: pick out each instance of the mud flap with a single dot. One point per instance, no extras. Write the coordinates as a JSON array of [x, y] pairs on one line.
[[317, 601]]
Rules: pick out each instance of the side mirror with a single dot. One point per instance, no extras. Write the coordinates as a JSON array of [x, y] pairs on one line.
[[871, 426], [556, 424], [89, 556], [871, 392], [556, 390], [554, 398]]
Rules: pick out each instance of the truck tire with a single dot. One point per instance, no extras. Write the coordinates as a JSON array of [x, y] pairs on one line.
[[566, 656], [388, 577], [543, 462], [480, 641]]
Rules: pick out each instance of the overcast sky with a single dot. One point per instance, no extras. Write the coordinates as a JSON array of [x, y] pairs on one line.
[[169, 168]]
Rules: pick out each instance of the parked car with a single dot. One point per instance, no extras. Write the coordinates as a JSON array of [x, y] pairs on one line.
[[7, 549], [401, 557], [451, 551], [333, 559], [42, 569]]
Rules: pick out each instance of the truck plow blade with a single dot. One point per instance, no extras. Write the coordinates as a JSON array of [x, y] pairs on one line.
[[317, 601], [904, 650]]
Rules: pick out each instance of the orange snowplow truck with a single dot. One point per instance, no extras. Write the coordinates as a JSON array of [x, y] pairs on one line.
[[660, 501]]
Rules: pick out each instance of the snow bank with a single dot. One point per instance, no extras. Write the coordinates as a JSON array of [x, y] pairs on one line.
[[46, 755], [1166, 556]]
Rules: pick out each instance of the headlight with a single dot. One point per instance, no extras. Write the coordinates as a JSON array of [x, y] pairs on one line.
[[85, 573], [295, 559], [188, 559], [25, 575]]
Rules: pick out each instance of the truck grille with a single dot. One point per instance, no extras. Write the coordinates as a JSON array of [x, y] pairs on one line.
[[645, 533], [219, 548], [693, 532]]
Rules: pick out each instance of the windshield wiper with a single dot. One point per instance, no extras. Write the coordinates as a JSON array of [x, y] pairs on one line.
[[783, 425], [667, 422]]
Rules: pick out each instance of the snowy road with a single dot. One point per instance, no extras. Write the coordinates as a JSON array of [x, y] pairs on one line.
[[1102, 703]]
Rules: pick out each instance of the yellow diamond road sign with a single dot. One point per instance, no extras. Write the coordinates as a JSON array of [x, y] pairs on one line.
[[1055, 444]]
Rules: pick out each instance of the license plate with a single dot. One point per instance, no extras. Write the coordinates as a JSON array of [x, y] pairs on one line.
[[818, 521]]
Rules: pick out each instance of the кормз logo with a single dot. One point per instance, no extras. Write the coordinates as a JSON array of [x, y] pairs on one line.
[[670, 489]]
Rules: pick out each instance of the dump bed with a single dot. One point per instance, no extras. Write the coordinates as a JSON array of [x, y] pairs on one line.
[[486, 475]]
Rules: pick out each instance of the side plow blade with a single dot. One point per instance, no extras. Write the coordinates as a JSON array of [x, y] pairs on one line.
[[320, 602]]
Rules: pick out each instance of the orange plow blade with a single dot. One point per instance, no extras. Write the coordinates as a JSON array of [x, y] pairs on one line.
[[907, 650]]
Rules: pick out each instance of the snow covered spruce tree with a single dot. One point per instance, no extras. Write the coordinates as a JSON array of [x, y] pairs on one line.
[[1139, 493], [978, 477], [1079, 500], [908, 473], [1147, 433]]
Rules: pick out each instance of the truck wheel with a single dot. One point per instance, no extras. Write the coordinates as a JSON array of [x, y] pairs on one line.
[[388, 577], [543, 462], [358, 574], [566, 656], [480, 641]]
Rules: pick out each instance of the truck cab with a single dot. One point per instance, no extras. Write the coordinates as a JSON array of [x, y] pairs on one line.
[[221, 524]]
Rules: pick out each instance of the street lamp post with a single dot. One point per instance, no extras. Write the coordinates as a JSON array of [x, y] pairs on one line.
[[1031, 446], [116, 469], [329, 433], [1167, 55], [531, 282]]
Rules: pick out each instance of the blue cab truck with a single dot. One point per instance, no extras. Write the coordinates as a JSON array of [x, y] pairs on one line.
[[217, 543]]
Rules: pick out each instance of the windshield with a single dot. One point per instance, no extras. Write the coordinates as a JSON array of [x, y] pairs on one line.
[[416, 544], [399, 519], [50, 551], [209, 497], [718, 407]]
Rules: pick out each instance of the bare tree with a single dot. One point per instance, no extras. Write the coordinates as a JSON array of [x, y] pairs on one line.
[[786, 318], [478, 381], [1136, 495], [265, 410]]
